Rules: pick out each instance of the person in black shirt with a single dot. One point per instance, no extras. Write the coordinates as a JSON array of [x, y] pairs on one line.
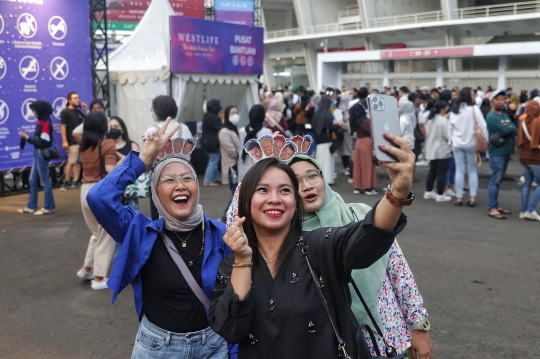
[[70, 118], [212, 123], [265, 297]]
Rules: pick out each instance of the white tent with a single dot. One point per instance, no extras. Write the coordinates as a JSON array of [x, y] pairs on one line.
[[140, 69]]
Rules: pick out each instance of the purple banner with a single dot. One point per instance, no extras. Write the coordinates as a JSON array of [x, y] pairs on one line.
[[234, 17], [202, 46], [44, 54]]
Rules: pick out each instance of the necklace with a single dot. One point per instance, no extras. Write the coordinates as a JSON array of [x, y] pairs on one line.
[[267, 260], [184, 241]]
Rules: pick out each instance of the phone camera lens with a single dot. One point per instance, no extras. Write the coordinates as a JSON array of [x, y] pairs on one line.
[[375, 106], [381, 103]]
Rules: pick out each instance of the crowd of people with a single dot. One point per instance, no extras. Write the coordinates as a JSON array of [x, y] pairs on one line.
[[291, 245]]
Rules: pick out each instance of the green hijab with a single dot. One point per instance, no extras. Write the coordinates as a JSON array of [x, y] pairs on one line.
[[334, 212]]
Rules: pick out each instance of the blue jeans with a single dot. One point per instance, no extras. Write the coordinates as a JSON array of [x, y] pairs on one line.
[[153, 342], [40, 170], [498, 165], [530, 172], [212, 172], [451, 172], [465, 156]]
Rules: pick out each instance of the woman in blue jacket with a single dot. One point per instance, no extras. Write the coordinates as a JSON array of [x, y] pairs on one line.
[[173, 320]]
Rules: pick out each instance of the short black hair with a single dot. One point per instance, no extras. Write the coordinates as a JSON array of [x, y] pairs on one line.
[[404, 89], [96, 102], [363, 92], [164, 106], [70, 94]]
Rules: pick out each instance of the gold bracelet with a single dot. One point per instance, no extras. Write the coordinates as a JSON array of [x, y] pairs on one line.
[[241, 265]]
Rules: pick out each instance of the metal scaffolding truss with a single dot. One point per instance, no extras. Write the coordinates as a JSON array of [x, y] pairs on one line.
[[100, 52], [257, 13]]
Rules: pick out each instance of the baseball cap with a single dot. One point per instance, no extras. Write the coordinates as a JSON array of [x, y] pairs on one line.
[[496, 93]]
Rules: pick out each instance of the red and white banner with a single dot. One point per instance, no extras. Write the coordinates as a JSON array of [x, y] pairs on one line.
[[427, 53]]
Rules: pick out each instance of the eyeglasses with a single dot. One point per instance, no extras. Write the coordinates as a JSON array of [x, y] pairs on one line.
[[312, 176], [171, 181]]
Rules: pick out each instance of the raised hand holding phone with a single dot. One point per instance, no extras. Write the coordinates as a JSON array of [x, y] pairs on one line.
[[384, 116]]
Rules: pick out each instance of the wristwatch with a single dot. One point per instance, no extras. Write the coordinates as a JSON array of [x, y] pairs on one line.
[[424, 325], [398, 202]]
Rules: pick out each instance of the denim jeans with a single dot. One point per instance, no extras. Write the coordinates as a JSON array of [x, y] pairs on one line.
[[212, 172], [153, 342], [530, 172], [451, 172], [40, 170], [498, 165], [465, 156]]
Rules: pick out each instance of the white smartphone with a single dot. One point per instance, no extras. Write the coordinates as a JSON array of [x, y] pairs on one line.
[[383, 112]]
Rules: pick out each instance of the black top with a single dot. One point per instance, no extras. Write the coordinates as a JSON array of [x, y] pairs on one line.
[[125, 151], [71, 118], [168, 301], [284, 317]]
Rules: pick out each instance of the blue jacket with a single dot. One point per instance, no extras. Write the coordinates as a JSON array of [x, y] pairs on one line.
[[137, 233]]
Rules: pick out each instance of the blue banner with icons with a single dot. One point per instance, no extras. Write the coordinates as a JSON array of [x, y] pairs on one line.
[[45, 53]]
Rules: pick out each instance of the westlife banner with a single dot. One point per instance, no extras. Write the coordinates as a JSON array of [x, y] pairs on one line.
[[126, 14], [203, 46], [44, 55], [238, 12]]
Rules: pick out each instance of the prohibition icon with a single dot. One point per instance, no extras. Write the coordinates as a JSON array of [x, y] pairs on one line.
[[26, 111], [3, 68], [27, 25], [29, 67], [58, 106], [4, 112], [57, 28], [59, 68]]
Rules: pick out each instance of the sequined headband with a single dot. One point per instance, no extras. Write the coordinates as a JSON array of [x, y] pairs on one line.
[[277, 146]]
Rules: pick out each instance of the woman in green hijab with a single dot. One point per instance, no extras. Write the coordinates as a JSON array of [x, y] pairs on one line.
[[388, 286]]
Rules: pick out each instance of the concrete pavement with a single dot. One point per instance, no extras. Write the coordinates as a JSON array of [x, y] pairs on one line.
[[478, 277]]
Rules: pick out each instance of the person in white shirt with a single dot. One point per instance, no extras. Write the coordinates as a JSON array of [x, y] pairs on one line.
[[407, 121], [462, 118]]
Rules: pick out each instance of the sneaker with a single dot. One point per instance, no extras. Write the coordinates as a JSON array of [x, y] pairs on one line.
[[450, 192], [26, 210], [41, 212], [371, 192], [89, 275], [75, 185], [430, 195], [535, 184], [443, 198], [422, 163], [350, 180], [522, 180], [347, 172], [356, 191], [65, 187], [533, 216], [102, 284], [521, 215]]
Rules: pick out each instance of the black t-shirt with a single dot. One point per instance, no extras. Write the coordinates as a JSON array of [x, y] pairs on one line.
[[168, 301], [126, 150], [72, 119]]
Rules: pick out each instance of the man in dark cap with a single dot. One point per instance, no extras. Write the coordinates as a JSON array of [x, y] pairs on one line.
[[42, 140]]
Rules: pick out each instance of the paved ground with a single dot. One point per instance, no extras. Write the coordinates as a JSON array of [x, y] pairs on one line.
[[478, 276]]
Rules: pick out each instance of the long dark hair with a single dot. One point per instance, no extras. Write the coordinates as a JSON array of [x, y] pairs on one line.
[[249, 186], [430, 103], [320, 117], [437, 108], [95, 128], [464, 97], [226, 122], [125, 135]]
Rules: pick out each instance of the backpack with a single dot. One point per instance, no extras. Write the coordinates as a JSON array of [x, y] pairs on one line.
[[353, 118]]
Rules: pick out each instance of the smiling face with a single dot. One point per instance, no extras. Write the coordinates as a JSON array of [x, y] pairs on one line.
[[267, 146], [278, 145], [273, 202], [188, 146], [256, 153], [287, 153], [305, 145], [312, 194], [179, 201]]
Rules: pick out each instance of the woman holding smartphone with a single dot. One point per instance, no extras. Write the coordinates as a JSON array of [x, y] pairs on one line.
[[266, 298]]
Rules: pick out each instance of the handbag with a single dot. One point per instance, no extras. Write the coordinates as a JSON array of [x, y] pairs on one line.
[[497, 140], [51, 153], [481, 142], [391, 352], [139, 189]]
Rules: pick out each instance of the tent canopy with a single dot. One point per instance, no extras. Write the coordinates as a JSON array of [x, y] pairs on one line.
[[140, 69]]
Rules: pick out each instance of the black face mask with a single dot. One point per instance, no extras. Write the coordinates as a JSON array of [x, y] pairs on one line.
[[114, 133]]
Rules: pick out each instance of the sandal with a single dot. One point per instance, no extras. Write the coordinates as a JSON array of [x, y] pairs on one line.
[[496, 215], [459, 203], [471, 203], [504, 211]]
